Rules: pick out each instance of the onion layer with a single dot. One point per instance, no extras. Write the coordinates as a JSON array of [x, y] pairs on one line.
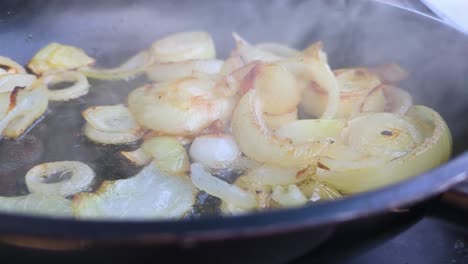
[[37, 204], [110, 118], [11, 65], [398, 100], [273, 175], [214, 151], [8, 82], [310, 130], [150, 194], [169, 155], [256, 141], [276, 121], [289, 197], [161, 72], [76, 90], [279, 50], [64, 178], [111, 138], [250, 53]]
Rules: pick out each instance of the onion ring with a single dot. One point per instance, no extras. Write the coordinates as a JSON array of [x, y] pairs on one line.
[[78, 89]]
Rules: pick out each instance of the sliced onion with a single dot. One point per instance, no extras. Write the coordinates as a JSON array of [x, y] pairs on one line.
[[4, 104], [277, 121], [30, 105], [310, 130], [183, 46], [181, 107], [289, 196], [230, 209], [249, 53], [161, 72], [313, 66], [215, 150], [279, 50], [137, 157], [257, 142], [8, 82], [56, 56], [221, 189], [132, 67], [383, 135], [12, 66], [37, 204], [79, 87], [273, 175], [74, 177], [111, 138], [391, 73], [398, 100], [111, 118], [231, 64], [150, 194], [348, 177], [168, 153], [318, 191]]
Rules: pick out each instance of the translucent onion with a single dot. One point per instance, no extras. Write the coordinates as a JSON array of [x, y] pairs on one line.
[[37, 204], [30, 105], [359, 92], [289, 196], [273, 175], [161, 72], [310, 130], [215, 150], [398, 100], [182, 107], [137, 157], [8, 82], [132, 67], [168, 154], [184, 46], [318, 191], [150, 194], [111, 138], [56, 56], [111, 118], [249, 53], [79, 87], [221, 189], [12, 67], [312, 66], [64, 178], [279, 50], [348, 177], [257, 142], [277, 121]]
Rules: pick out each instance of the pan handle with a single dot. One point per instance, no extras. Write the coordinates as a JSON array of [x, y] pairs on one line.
[[452, 205]]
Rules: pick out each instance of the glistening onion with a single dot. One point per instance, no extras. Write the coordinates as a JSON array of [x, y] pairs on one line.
[[168, 154]]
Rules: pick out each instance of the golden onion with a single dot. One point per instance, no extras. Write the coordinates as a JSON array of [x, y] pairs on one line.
[[168, 154], [37, 204], [398, 100], [289, 196], [279, 50]]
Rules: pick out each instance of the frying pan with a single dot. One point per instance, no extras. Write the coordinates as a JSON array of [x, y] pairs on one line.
[[354, 33]]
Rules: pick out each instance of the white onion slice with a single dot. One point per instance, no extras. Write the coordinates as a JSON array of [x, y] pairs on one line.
[[257, 142], [37, 204], [221, 189], [215, 150], [279, 50], [398, 100], [150, 194], [249, 53], [160, 72], [12, 66], [8, 82], [183, 46], [137, 157], [310, 130], [290, 196], [111, 118], [79, 87], [168, 153], [111, 138], [276, 121], [74, 177], [132, 67]]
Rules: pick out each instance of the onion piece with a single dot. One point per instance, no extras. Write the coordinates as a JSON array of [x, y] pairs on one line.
[[30, 105], [161, 72], [272, 175], [257, 142], [12, 66], [8, 82], [249, 53], [398, 100], [111, 138], [57, 56], [193, 45], [215, 150], [390, 73], [310, 130], [76, 90], [182, 107], [221, 189], [276, 121], [111, 118], [279, 50], [4, 104], [168, 153], [132, 67], [318, 191], [290, 196], [37, 204], [74, 177], [349, 177], [230, 209], [137, 157], [312, 65], [150, 194]]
